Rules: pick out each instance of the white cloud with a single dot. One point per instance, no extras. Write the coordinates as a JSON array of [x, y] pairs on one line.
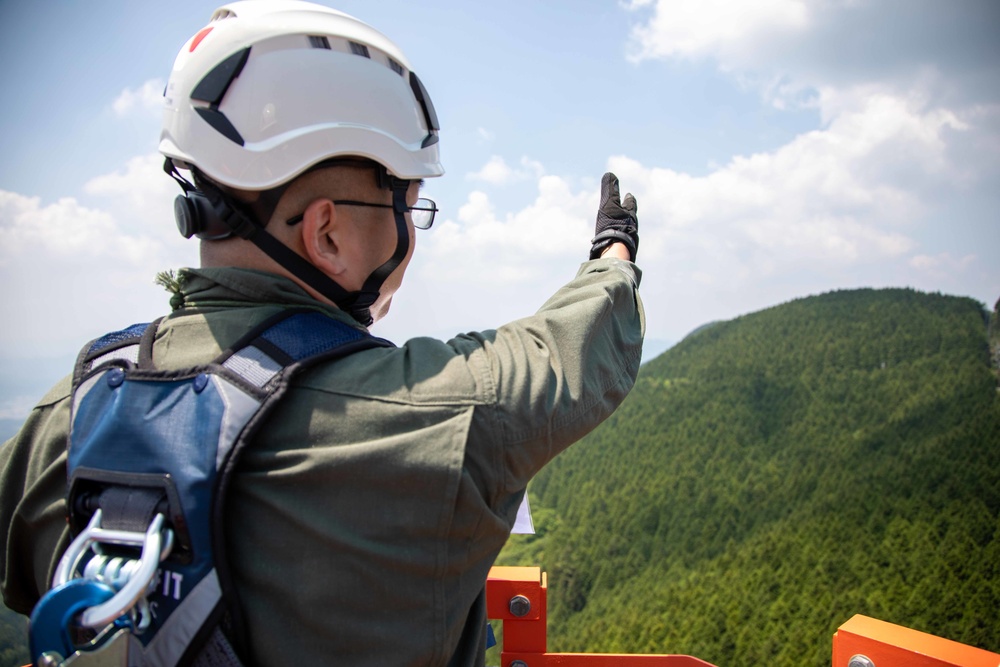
[[907, 96], [61, 229], [635, 4], [73, 270], [832, 196], [788, 49], [485, 267], [717, 28], [142, 192], [942, 264], [835, 207], [496, 171], [516, 244], [832, 208], [147, 98]]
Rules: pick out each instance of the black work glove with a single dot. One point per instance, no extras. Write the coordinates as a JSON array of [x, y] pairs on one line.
[[616, 221]]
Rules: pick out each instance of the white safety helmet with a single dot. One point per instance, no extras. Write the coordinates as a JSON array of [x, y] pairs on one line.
[[270, 88]]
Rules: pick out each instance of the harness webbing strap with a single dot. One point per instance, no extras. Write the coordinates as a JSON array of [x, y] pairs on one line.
[[129, 353], [108, 340], [129, 508], [253, 365]]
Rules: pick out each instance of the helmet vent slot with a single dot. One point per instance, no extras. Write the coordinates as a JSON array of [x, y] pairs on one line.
[[319, 42], [222, 125], [213, 86], [359, 49]]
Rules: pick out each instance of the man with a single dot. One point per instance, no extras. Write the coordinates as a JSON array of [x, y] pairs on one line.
[[366, 510]]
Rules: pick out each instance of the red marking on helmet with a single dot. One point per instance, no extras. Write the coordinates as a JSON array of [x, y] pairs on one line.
[[200, 36]]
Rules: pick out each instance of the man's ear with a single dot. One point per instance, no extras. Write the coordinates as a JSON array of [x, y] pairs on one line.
[[324, 236]]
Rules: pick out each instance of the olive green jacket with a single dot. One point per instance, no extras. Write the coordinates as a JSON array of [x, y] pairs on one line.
[[364, 516]]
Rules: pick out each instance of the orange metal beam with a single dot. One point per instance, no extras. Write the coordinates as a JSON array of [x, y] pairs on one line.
[[867, 642], [597, 660], [518, 596]]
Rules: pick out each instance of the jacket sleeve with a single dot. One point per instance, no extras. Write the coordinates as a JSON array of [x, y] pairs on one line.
[[33, 530], [555, 376]]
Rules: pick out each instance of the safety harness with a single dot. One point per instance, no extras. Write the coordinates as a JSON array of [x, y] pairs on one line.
[[150, 458]]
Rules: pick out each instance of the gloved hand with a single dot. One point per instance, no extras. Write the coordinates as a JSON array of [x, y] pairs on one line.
[[616, 220]]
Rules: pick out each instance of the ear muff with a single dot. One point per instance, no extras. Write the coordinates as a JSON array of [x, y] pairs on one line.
[[196, 216]]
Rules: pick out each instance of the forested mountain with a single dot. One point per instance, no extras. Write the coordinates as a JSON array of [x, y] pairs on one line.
[[771, 476]]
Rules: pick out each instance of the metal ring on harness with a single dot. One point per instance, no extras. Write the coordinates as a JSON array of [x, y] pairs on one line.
[[156, 544]]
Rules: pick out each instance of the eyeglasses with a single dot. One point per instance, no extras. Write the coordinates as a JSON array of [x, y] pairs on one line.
[[422, 213]]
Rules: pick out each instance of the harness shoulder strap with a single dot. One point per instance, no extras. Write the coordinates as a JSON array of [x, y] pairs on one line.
[[121, 347], [269, 357]]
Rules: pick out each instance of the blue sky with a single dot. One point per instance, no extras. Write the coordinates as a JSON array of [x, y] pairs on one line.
[[777, 149]]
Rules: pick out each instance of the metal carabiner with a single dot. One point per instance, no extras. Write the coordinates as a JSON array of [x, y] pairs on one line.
[[156, 544]]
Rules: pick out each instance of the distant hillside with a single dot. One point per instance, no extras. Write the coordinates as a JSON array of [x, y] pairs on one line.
[[771, 476]]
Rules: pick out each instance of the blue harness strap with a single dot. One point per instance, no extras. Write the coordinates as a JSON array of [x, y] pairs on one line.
[[149, 461]]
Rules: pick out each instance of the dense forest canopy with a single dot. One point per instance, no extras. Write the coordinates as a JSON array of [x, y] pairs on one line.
[[771, 476]]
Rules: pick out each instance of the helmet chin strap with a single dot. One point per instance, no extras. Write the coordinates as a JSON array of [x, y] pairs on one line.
[[369, 292], [244, 221]]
